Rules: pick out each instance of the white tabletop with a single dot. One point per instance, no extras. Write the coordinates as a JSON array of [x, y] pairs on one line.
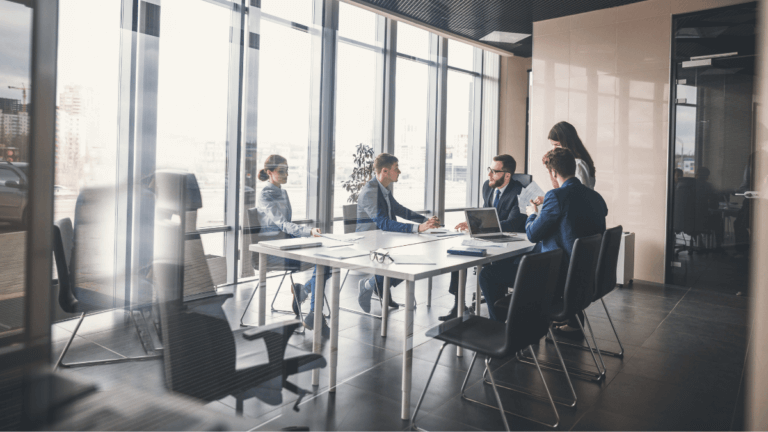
[[399, 244]]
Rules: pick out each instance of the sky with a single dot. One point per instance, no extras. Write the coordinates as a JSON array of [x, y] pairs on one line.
[[16, 48]]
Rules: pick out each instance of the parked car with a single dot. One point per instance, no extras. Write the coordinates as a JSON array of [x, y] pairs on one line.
[[13, 192]]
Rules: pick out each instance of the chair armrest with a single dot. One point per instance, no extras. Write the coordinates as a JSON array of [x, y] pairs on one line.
[[258, 332]]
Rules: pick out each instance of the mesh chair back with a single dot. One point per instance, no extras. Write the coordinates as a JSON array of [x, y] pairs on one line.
[[605, 278], [580, 283], [535, 284], [525, 179], [350, 218], [63, 242]]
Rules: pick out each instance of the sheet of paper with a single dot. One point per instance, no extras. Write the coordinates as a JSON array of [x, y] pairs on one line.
[[328, 243], [342, 253], [482, 244], [343, 237], [411, 259], [436, 231], [528, 193]]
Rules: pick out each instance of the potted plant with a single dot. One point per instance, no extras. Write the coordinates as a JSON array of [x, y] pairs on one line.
[[362, 172]]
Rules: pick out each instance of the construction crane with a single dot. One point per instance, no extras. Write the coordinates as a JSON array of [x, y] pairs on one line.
[[23, 89]]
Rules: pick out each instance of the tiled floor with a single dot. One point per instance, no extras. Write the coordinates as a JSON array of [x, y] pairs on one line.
[[683, 367]]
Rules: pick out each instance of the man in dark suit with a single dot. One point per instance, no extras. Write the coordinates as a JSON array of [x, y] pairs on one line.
[[500, 191], [378, 209], [569, 212]]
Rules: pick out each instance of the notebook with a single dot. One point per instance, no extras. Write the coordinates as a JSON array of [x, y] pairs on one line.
[[294, 243]]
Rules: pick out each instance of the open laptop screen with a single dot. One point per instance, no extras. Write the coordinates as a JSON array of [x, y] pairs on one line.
[[483, 221]]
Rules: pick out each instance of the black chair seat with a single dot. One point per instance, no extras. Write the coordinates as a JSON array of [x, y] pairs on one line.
[[481, 335], [86, 300]]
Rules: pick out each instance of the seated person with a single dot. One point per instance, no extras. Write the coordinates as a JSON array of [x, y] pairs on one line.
[[568, 212], [499, 191], [276, 213], [378, 209]]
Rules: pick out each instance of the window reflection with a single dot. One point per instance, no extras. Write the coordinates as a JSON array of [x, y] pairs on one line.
[[411, 117]]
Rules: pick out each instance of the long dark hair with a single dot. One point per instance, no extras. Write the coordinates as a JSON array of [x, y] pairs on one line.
[[271, 164], [566, 135]]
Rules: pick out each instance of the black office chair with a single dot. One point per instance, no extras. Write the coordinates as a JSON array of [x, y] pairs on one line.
[[527, 322], [204, 360], [525, 179], [578, 293], [605, 280], [74, 299], [684, 213], [275, 264]]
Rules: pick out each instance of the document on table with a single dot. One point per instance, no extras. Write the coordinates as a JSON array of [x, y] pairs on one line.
[[528, 193], [343, 237], [328, 243], [482, 244], [342, 253], [412, 259]]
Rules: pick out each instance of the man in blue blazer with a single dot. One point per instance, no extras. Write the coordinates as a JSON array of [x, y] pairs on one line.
[[378, 209], [500, 191], [567, 213]]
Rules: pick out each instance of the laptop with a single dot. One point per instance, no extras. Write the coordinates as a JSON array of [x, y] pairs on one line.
[[484, 225]]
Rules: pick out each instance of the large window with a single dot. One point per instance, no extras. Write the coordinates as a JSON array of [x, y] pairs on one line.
[[359, 58], [412, 114], [459, 122]]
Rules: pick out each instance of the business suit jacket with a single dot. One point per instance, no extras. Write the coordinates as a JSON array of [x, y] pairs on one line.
[[568, 212], [373, 212], [509, 212]]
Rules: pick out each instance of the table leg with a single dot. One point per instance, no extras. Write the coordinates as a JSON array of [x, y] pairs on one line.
[[385, 307], [317, 334], [262, 288], [407, 351], [478, 291], [462, 299], [429, 292], [334, 327]]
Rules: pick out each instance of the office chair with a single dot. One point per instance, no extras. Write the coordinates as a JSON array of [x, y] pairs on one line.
[[684, 213], [74, 299], [578, 293], [527, 322], [605, 281], [525, 179], [274, 264]]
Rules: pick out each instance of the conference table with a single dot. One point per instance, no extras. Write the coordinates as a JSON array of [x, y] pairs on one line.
[[430, 246]]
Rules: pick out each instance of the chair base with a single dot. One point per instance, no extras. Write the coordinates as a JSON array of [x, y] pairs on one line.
[[500, 407], [619, 354], [60, 361]]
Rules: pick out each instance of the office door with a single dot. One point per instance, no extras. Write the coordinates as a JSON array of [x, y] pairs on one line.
[[713, 150]]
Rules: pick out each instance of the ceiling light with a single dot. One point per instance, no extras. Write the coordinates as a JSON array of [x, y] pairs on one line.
[[504, 37]]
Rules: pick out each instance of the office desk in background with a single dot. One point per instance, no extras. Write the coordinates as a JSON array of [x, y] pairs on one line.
[[399, 244]]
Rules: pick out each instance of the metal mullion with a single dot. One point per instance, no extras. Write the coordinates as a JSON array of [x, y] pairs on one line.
[[125, 148], [437, 127], [474, 170], [359, 44], [250, 114], [476, 74], [416, 59], [234, 138], [387, 85], [287, 23], [38, 307]]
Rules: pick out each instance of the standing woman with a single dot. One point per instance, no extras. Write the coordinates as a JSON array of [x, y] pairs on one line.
[[276, 215], [564, 135]]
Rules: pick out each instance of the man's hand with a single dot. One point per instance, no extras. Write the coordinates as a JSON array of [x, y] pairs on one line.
[[539, 201], [531, 209], [432, 222], [315, 232], [462, 227], [552, 178]]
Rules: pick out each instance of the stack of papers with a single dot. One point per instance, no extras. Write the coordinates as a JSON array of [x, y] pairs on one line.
[[352, 237], [294, 243], [342, 253], [530, 192]]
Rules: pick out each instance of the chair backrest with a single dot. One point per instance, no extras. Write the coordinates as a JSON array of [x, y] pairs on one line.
[[350, 218], [580, 282], [605, 278], [256, 235], [63, 245], [525, 179], [535, 285]]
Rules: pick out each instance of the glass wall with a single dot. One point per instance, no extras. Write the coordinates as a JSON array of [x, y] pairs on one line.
[[15, 81], [412, 114], [359, 58]]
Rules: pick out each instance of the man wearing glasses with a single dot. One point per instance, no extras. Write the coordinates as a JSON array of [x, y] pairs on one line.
[[378, 209], [500, 191]]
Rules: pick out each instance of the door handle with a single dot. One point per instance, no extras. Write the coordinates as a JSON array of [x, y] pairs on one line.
[[749, 194]]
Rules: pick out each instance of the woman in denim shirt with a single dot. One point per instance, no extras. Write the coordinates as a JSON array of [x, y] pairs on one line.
[[275, 213]]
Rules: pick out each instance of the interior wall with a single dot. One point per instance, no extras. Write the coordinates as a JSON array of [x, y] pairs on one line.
[[512, 109], [607, 73], [757, 397]]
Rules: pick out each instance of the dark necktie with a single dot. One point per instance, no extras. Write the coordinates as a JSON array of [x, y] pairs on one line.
[[496, 200]]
